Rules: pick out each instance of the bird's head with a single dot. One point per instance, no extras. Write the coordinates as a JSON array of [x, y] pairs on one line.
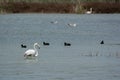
[[36, 44]]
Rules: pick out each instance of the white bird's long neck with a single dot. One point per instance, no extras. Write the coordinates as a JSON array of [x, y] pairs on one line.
[[35, 50], [90, 9]]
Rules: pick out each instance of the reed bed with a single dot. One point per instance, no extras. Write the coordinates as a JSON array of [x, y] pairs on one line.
[[59, 6]]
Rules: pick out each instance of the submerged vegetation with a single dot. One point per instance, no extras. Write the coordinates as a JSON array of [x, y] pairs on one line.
[[59, 6]]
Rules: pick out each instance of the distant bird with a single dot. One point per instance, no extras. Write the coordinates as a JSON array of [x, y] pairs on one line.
[[23, 46], [72, 24], [54, 22], [46, 44], [32, 52], [67, 44], [102, 42], [90, 11]]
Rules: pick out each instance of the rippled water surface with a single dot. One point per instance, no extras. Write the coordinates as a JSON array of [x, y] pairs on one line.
[[85, 59]]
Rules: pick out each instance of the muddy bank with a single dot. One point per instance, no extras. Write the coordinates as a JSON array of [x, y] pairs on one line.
[[23, 7]]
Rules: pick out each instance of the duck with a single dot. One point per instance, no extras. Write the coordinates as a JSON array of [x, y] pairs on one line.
[[72, 24], [54, 22], [23, 46], [102, 42], [67, 44], [46, 43]]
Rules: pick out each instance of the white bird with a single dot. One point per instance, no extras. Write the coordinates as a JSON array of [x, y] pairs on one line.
[[54, 22], [89, 12], [72, 24], [32, 52]]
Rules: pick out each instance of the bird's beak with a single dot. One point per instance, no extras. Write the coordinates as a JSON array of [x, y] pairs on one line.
[[38, 46]]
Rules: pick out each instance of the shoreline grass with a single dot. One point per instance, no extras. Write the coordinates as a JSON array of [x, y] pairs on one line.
[[56, 7]]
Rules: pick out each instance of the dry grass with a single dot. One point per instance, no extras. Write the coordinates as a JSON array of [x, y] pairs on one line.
[[23, 7]]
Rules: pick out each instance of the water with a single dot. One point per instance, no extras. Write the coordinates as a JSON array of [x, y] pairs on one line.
[[85, 59]]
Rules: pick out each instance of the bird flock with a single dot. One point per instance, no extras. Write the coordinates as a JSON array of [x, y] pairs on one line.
[[31, 53], [46, 44]]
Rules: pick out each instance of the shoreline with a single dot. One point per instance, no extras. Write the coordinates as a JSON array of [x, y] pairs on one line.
[[69, 8]]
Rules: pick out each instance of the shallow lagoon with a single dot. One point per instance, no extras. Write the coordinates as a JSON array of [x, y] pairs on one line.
[[85, 59]]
